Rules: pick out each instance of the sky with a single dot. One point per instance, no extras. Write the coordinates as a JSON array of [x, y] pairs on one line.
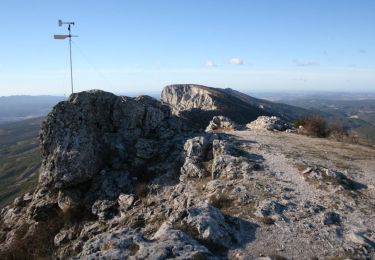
[[141, 46]]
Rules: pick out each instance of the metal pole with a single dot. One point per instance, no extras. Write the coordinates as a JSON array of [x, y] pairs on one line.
[[71, 63]]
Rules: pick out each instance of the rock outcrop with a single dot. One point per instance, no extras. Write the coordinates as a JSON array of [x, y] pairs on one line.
[[97, 147], [221, 123], [199, 104], [269, 123]]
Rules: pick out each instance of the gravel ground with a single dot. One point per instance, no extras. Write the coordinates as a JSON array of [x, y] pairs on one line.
[[298, 231]]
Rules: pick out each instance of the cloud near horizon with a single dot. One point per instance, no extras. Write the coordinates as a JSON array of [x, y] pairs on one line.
[[210, 64], [236, 61]]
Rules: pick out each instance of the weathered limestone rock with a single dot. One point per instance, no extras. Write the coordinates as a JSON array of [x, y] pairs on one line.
[[127, 243], [196, 151], [95, 127], [192, 168], [125, 201], [69, 199], [196, 147], [227, 163], [187, 97], [104, 209], [205, 223], [221, 122], [269, 123]]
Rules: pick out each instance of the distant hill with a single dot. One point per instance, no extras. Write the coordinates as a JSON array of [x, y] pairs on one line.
[[20, 158], [357, 115], [200, 103], [16, 108]]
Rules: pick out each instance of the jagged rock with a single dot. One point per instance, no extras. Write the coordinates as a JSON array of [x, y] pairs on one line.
[[231, 167], [22, 201], [121, 244], [331, 177], [93, 125], [64, 236], [205, 223], [125, 201], [269, 123], [192, 168], [196, 151], [227, 163], [187, 97], [221, 122], [194, 249], [196, 147], [222, 147], [268, 208], [104, 209], [69, 199], [215, 185], [110, 184]]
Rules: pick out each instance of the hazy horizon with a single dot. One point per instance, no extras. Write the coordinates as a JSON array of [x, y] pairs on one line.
[[250, 46], [255, 93]]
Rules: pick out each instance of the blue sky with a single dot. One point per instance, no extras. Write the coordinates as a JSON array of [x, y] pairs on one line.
[[141, 46]]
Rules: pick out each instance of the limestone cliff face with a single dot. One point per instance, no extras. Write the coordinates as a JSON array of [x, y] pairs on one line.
[[199, 104], [186, 97]]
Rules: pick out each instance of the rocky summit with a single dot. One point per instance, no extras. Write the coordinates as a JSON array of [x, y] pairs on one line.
[[137, 178], [199, 104]]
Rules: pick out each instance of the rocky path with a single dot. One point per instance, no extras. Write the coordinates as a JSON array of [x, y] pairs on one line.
[[301, 232]]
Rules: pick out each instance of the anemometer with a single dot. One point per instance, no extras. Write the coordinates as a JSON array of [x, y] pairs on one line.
[[63, 37]]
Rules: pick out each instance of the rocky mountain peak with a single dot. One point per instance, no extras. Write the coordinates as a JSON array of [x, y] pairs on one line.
[[188, 96], [199, 104], [135, 178]]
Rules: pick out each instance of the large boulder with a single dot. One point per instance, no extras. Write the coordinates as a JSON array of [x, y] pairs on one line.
[[221, 123], [95, 128], [269, 123]]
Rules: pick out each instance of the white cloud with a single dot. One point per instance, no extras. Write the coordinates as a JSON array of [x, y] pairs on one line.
[[210, 64], [236, 61]]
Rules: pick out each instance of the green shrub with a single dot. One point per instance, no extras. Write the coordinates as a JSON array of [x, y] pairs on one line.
[[314, 126]]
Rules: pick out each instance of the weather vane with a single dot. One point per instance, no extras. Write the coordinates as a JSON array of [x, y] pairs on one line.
[[63, 37]]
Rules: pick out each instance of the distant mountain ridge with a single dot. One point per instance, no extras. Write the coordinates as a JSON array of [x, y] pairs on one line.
[[16, 108], [201, 102]]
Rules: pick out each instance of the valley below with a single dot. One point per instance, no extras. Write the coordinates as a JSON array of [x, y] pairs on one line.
[[20, 158]]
